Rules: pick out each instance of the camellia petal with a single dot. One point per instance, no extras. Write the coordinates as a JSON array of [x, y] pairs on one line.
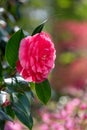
[[36, 57]]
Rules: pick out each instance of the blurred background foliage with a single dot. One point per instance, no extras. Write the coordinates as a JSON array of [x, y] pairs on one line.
[[28, 13], [66, 22]]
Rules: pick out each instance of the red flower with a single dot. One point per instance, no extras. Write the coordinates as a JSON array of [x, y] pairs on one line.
[[36, 57]]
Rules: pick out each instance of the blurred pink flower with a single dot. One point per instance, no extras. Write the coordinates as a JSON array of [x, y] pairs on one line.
[[70, 38], [72, 105], [83, 106], [13, 126], [44, 127], [70, 123], [71, 116], [46, 117], [36, 57], [56, 126]]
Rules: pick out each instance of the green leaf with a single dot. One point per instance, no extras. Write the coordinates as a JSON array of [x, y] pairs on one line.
[[26, 120], [43, 91], [12, 47], [2, 124], [21, 106], [4, 116], [1, 77], [29, 95], [20, 86], [39, 28], [10, 111]]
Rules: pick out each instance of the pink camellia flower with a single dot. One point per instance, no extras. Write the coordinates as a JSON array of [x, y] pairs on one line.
[[36, 57]]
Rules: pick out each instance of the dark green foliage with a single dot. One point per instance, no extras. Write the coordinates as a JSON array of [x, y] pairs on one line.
[[19, 91], [43, 91], [21, 106], [12, 48], [39, 28], [4, 116]]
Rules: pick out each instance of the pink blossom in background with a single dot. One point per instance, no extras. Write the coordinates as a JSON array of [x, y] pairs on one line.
[[13, 125], [36, 57], [71, 116], [70, 36], [72, 105], [44, 127]]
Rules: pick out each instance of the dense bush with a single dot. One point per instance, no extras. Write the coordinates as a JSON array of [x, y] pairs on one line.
[[25, 62]]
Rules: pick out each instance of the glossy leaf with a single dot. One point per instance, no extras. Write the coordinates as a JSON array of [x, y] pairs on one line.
[[10, 111], [17, 86], [21, 106], [39, 28], [2, 124], [43, 91], [1, 73], [29, 95], [4, 116], [12, 47]]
